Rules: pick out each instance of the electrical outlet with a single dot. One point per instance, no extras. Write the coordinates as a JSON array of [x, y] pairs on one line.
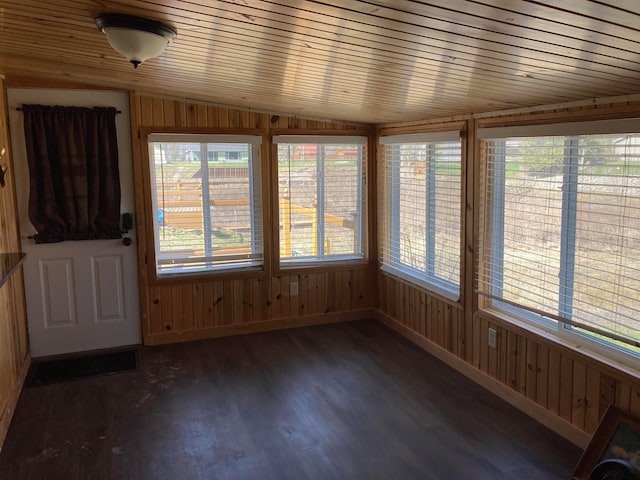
[[492, 337], [293, 289]]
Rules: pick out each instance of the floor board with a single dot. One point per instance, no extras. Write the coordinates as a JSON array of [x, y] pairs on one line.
[[343, 401]]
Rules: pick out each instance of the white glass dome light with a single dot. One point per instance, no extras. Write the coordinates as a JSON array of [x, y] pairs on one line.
[[138, 39]]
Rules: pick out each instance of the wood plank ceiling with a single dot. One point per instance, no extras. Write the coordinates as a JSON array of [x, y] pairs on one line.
[[374, 61]]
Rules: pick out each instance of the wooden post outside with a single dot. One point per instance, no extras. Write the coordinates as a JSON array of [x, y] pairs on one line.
[[285, 208], [314, 230]]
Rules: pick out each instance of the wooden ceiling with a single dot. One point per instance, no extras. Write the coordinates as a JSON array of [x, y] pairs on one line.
[[374, 61]]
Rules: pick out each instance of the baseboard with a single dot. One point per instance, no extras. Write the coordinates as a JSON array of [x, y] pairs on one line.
[[256, 327], [14, 395], [539, 413]]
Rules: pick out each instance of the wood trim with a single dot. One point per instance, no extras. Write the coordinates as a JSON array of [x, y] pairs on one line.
[[558, 114], [542, 415], [255, 327], [321, 267], [469, 253], [371, 178], [269, 195], [577, 105], [140, 203], [205, 276], [146, 130], [274, 206], [22, 81], [14, 355], [431, 126], [590, 109], [350, 131], [12, 401]]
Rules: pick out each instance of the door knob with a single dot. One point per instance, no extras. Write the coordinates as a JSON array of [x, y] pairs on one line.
[[126, 241]]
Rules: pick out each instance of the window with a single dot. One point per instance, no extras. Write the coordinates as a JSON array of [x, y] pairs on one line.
[[561, 228], [422, 189], [208, 209], [321, 198]]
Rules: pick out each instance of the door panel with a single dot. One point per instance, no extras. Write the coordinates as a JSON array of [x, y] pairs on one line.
[[81, 295], [108, 288], [57, 291]]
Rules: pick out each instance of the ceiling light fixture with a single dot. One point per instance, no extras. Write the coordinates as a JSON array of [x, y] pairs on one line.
[[137, 38]]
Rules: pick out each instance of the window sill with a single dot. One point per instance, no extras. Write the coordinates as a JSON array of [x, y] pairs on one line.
[[629, 367], [327, 266], [207, 276]]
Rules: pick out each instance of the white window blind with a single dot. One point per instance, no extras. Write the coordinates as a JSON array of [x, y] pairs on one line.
[[206, 202], [321, 198], [421, 237], [561, 231]]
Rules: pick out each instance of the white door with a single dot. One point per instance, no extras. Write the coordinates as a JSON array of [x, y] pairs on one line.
[[81, 295]]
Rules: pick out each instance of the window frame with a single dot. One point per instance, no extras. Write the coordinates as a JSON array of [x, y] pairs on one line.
[[603, 349], [256, 180], [426, 278], [333, 261]]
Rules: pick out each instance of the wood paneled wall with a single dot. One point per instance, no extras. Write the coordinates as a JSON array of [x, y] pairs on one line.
[[222, 304], [561, 387], [14, 350]]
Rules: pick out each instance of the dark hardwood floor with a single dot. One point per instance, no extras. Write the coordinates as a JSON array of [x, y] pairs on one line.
[[344, 401]]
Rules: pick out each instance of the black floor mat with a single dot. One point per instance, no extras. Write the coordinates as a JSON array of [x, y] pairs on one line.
[[81, 367]]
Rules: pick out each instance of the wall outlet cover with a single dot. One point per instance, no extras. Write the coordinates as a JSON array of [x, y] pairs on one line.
[[492, 337]]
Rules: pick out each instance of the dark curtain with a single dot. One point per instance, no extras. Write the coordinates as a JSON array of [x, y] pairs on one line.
[[73, 170]]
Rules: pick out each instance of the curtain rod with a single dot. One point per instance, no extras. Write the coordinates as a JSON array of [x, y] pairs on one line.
[[20, 109]]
